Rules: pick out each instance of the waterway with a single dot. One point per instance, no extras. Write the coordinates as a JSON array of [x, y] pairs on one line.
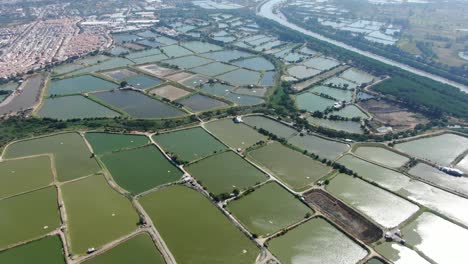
[[266, 9]]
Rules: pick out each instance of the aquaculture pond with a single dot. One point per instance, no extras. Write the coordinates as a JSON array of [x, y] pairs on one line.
[[357, 76], [49, 248], [143, 82], [150, 59], [448, 146], [213, 69], [384, 208], [189, 144], [109, 142], [320, 146], [138, 105], [251, 91], [268, 209], [270, 125], [350, 111], [311, 102], [225, 172], [175, 51], [28, 98], [256, 64], [28, 216], [244, 100], [293, 168], [77, 106], [143, 53], [188, 62], [400, 254], [149, 168], [217, 89], [340, 82], [347, 126], [316, 241], [240, 77], [439, 178], [199, 103], [70, 153], [80, 84], [201, 47], [120, 74], [22, 175], [140, 247], [302, 72], [338, 94], [268, 79], [212, 237], [227, 55], [96, 213], [427, 232], [114, 62], [431, 197], [321, 63], [381, 155], [234, 135]]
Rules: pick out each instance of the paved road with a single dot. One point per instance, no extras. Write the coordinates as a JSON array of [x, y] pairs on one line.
[[266, 10]]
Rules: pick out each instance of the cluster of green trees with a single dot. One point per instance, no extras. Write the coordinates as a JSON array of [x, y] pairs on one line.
[[421, 95]]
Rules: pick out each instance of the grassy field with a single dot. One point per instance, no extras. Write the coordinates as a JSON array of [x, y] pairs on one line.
[[28, 216], [293, 168], [96, 213], [234, 135], [141, 169], [194, 230], [17, 176], [71, 155], [140, 249], [108, 142], [316, 241], [268, 209], [47, 249], [189, 144], [222, 173]]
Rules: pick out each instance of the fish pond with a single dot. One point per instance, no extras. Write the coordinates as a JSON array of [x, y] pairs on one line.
[[384, 208], [325, 148], [49, 248], [293, 168], [311, 102], [96, 213], [234, 135], [268, 209], [381, 155], [22, 175], [28, 216], [448, 146], [270, 125], [80, 84], [109, 142], [189, 144], [140, 247], [212, 237], [70, 153], [316, 241], [225, 172], [138, 105], [76, 106], [149, 169]]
